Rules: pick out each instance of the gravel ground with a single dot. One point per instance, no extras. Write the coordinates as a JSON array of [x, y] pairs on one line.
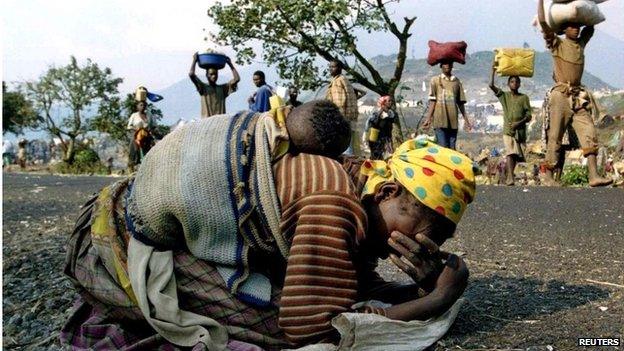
[[539, 260]]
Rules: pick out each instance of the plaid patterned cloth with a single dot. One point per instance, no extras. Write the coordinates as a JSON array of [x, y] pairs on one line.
[[341, 93], [105, 318]]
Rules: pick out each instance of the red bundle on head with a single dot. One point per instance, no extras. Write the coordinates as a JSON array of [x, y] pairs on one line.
[[451, 51]]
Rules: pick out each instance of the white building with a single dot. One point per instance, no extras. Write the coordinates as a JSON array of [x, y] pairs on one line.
[[365, 109]]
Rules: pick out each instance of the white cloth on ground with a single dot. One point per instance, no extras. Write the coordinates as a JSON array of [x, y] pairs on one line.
[[373, 332]]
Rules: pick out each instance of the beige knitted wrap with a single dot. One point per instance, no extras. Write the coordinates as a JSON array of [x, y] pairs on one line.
[[209, 186]]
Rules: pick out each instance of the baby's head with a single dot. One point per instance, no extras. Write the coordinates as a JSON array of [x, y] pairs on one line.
[[318, 127]]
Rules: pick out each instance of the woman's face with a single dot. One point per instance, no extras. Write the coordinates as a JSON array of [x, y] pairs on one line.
[[398, 210], [141, 106]]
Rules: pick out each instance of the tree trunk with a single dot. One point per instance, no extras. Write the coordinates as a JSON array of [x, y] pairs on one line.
[[70, 152], [397, 130], [397, 133]]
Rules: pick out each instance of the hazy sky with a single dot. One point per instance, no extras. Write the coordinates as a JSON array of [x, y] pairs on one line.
[[151, 42], [120, 34]]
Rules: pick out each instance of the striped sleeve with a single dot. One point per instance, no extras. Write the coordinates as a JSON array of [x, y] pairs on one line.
[[321, 280]]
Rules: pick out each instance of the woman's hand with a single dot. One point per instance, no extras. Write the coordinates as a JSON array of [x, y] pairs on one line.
[[419, 258], [449, 284]]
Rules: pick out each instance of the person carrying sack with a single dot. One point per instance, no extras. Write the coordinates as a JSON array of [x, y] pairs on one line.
[[570, 103]]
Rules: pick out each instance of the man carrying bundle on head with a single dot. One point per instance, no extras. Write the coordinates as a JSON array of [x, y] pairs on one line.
[[446, 93], [569, 102], [213, 95], [516, 110]]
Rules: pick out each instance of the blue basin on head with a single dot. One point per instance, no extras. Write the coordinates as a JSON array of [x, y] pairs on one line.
[[211, 60]]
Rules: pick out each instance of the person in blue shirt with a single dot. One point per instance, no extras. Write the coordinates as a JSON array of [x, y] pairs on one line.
[[259, 101]]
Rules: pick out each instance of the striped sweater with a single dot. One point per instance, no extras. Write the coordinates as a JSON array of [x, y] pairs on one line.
[[323, 216]]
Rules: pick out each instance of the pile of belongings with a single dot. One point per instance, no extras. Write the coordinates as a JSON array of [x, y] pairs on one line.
[[446, 52]]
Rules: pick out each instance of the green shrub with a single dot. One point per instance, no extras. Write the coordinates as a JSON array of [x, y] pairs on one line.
[[86, 161], [86, 157], [575, 175]]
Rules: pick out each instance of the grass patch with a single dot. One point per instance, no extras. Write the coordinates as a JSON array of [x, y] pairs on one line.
[[575, 175]]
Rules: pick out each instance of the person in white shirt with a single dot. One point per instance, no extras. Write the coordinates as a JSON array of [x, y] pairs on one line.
[[140, 124]]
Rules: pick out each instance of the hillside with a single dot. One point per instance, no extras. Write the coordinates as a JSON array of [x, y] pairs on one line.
[[475, 75], [489, 24], [613, 104], [181, 99]]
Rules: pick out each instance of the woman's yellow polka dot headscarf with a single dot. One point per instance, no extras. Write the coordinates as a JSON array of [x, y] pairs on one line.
[[440, 178]]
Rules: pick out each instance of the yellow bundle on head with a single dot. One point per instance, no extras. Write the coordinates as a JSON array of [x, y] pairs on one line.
[[514, 62], [440, 178]]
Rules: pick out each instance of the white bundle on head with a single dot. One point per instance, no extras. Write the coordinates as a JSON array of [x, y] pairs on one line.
[[567, 1], [560, 12]]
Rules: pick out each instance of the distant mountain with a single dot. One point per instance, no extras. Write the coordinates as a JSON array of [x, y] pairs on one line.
[[475, 76], [182, 101], [485, 25], [613, 104], [605, 58]]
